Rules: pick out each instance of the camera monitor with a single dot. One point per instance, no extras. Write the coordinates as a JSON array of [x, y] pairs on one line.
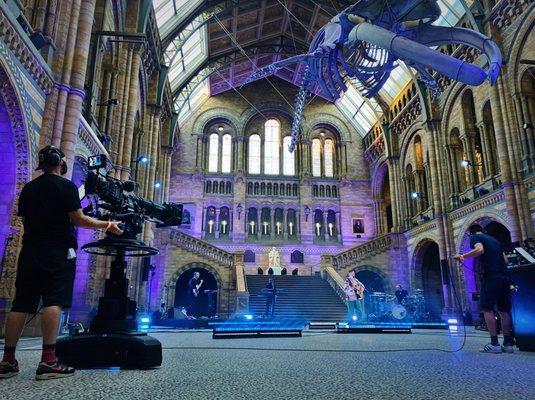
[[96, 162]]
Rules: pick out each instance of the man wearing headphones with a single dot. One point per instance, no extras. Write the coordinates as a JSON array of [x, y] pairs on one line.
[[495, 291], [50, 207]]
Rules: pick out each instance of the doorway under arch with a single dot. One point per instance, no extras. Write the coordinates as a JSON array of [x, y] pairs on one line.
[[206, 303], [7, 178], [373, 281], [428, 259], [499, 232]]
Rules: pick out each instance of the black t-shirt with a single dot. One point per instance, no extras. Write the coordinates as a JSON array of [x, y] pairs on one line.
[[401, 294], [492, 261], [45, 204], [193, 282]]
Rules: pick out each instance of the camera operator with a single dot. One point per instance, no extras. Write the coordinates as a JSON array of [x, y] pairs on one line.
[[50, 207]]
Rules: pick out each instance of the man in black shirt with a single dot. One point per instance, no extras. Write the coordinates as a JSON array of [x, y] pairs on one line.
[[194, 285], [400, 294], [495, 291], [270, 298], [50, 208]]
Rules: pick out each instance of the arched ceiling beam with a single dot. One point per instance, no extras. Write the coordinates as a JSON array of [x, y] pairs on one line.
[[206, 69], [210, 7], [267, 48]]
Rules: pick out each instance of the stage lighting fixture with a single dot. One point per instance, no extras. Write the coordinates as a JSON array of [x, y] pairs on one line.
[[248, 317], [144, 324], [453, 321], [354, 317]]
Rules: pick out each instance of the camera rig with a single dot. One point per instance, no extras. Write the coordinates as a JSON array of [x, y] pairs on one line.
[[112, 199], [113, 338]]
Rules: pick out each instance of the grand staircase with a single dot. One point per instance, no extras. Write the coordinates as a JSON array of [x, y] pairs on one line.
[[308, 297]]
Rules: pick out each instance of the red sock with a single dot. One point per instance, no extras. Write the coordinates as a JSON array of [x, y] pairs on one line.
[[49, 353], [9, 354]]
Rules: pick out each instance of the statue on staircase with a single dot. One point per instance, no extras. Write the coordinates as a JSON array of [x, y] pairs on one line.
[[275, 261]]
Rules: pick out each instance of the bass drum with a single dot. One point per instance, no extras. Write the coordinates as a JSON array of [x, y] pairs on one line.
[[399, 312]]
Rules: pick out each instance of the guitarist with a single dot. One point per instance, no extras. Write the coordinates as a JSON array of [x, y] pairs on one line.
[[193, 293], [354, 290]]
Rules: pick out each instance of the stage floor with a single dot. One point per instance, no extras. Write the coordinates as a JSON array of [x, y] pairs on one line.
[[316, 366]]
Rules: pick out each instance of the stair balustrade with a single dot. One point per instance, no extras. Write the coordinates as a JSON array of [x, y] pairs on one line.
[[367, 250], [201, 248]]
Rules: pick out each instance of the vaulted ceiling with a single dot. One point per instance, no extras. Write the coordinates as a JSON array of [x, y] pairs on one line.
[[213, 46]]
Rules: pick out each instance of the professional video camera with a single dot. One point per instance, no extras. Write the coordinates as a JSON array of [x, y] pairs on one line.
[[120, 203], [113, 338]]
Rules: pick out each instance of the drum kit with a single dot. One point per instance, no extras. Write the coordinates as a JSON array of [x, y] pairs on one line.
[[385, 308]]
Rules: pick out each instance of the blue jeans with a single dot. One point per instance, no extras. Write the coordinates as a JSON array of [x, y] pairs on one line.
[[354, 308]]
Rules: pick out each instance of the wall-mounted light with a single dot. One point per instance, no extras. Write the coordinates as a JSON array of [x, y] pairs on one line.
[[527, 126], [220, 128], [142, 159], [157, 185], [468, 163], [109, 102], [415, 195]]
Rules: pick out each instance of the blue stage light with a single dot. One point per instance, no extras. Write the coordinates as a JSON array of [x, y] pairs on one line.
[[144, 323], [248, 316], [354, 317], [453, 321]]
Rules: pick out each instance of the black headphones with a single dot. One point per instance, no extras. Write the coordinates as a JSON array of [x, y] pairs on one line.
[[51, 156]]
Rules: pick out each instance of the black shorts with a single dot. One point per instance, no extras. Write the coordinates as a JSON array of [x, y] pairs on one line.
[[43, 273], [495, 293]]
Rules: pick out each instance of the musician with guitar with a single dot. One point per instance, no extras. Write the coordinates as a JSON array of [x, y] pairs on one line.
[[194, 285], [354, 290]]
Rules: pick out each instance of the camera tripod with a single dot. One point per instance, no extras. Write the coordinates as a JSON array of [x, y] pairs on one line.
[[113, 338]]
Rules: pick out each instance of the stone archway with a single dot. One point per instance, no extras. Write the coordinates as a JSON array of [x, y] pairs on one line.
[[427, 273], [374, 279], [16, 170], [177, 295]]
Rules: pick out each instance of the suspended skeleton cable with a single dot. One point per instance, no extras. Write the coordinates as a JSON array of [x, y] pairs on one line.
[[240, 48], [241, 95]]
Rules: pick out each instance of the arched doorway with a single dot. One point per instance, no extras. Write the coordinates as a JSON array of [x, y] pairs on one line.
[[206, 302], [500, 233], [372, 280], [428, 261], [7, 179]]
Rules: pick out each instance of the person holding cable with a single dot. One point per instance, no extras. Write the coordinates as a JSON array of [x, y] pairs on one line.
[[495, 290], [50, 207]]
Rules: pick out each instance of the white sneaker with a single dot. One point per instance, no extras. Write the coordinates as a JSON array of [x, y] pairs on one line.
[[490, 348], [509, 349]]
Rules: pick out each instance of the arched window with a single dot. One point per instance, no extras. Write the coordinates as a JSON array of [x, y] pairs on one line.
[[226, 154], [254, 154], [288, 157], [329, 158], [316, 157], [271, 149], [213, 156]]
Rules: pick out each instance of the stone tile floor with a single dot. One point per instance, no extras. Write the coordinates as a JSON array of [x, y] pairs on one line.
[[320, 365]]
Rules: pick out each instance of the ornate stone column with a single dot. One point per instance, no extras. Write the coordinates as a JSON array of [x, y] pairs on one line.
[[126, 158], [74, 101], [155, 134], [503, 156]]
